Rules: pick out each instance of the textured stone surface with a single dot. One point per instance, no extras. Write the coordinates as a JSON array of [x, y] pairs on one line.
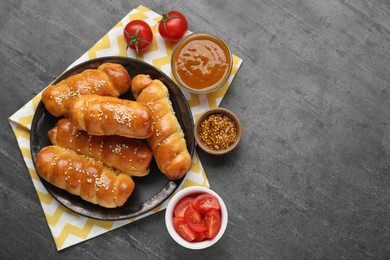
[[311, 176]]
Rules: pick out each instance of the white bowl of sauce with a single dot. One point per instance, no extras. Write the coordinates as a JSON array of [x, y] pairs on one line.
[[202, 62]]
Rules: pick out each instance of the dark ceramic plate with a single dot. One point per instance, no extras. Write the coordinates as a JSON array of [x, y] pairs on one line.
[[150, 191]]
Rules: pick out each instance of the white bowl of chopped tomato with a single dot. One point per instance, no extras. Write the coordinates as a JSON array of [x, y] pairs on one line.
[[196, 217]]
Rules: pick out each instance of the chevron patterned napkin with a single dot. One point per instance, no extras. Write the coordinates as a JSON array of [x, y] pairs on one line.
[[67, 227]]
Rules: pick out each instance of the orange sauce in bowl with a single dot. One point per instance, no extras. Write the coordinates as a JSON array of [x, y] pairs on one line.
[[202, 62]]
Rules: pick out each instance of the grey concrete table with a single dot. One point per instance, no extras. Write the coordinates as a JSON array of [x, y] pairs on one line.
[[311, 177]]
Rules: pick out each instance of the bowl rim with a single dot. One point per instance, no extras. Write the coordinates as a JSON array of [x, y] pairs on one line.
[[169, 217], [217, 110], [213, 87]]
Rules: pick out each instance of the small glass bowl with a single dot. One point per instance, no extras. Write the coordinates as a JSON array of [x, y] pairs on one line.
[[204, 116], [191, 37], [194, 190]]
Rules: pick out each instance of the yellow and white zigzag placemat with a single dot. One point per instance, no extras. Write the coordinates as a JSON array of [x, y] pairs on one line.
[[67, 227]]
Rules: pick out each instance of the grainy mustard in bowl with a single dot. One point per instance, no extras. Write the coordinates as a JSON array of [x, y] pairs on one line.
[[218, 131]]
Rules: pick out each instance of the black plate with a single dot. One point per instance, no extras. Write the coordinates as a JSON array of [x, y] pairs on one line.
[[150, 191]]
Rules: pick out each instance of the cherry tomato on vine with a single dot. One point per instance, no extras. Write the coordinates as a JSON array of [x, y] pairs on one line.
[[138, 35], [172, 26]]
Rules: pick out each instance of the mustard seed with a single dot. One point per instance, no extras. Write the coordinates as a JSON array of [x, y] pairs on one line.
[[218, 131]]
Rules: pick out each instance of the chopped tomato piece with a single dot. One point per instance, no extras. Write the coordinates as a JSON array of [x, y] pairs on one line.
[[194, 219], [205, 202], [212, 218], [183, 230], [199, 237], [181, 206]]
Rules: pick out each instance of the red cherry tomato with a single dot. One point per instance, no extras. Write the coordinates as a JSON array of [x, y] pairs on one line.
[[212, 218], [172, 26], [138, 35], [181, 206], [183, 230], [194, 219], [205, 202]]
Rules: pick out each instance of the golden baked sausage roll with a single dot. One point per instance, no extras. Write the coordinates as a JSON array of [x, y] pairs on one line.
[[108, 79], [102, 115], [167, 141], [83, 176], [131, 156]]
